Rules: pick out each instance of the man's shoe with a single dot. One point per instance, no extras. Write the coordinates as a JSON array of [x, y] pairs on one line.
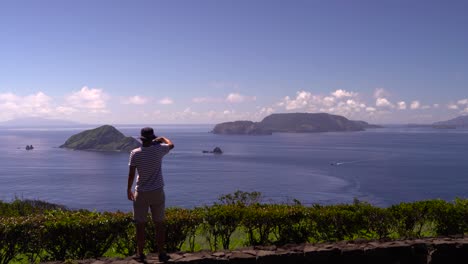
[[163, 257], [140, 257]]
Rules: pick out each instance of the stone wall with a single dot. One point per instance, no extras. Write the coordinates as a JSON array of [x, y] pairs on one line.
[[434, 251], [419, 251]]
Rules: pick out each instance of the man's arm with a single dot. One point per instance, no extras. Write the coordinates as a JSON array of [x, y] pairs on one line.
[[165, 141], [131, 177]]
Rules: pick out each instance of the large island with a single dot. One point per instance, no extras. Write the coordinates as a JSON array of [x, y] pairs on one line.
[[458, 122], [292, 123], [103, 138]]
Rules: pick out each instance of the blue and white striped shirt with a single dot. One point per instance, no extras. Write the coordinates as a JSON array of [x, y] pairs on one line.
[[147, 161]]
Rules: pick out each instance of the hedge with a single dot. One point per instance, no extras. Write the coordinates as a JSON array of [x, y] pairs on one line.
[[61, 234]]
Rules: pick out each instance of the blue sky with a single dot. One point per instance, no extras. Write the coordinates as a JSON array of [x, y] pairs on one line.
[[212, 61]]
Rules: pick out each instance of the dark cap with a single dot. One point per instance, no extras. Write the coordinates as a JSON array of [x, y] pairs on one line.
[[147, 134]]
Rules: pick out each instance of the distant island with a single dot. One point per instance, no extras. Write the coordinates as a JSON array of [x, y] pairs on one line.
[[292, 123], [103, 138], [458, 122], [38, 122]]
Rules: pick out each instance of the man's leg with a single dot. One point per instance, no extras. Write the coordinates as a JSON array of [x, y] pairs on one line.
[[140, 212], [158, 213], [160, 230], [140, 234]]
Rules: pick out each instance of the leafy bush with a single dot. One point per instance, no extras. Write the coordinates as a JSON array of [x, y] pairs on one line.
[[220, 221], [377, 222], [181, 225], [338, 222], [259, 222], [449, 217], [241, 198], [82, 234], [36, 234], [411, 218], [27, 207], [293, 224], [17, 235]]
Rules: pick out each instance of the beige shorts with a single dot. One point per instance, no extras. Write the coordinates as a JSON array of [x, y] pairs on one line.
[[154, 200]]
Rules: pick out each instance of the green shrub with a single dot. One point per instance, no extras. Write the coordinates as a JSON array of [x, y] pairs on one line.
[[125, 244], [293, 224], [449, 218], [219, 222], [241, 198], [181, 225], [82, 234], [27, 207], [259, 221], [411, 218], [377, 222], [18, 235], [338, 222], [43, 235]]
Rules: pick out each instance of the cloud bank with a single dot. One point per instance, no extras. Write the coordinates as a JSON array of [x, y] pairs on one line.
[[95, 104]]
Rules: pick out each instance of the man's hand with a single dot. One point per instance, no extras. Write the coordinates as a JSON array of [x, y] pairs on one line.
[[131, 177], [130, 195], [165, 141]]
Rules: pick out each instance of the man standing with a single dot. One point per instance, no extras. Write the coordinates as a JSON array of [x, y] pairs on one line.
[[149, 188]]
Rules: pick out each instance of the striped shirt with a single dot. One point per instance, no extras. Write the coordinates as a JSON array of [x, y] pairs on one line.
[[147, 161]]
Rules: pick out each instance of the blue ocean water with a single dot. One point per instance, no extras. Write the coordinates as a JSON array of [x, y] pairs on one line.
[[381, 166]]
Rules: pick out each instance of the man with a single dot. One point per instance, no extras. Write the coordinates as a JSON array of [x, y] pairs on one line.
[[149, 188]]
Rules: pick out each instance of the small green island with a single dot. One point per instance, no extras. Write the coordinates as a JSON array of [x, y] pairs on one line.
[[103, 138]]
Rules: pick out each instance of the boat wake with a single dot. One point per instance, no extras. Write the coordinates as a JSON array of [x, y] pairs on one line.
[[349, 162]]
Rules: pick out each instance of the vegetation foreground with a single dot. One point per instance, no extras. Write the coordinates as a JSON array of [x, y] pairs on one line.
[[34, 231]]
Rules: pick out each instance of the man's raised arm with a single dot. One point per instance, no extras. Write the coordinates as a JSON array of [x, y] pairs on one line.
[[165, 141]]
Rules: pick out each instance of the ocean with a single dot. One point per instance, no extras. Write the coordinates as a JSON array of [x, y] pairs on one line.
[[381, 166]]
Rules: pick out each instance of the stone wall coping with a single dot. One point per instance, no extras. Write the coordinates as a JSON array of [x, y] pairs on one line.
[[418, 250]]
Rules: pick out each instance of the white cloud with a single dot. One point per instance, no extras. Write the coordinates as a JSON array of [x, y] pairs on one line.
[[301, 101], [38, 104], [239, 98], [267, 111], [383, 102], [340, 102], [415, 105], [370, 109], [200, 100], [352, 103], [65, 110], [136, 100], [452, 106], [90, 99], [8, 97], [425, 107], [230, 98], [380, 93], [343, 93], [329, 101], [401, 105], [463, 102], [436, 105], [166, 101]]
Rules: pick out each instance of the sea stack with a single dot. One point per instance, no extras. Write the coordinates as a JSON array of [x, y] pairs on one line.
[[216, 150]]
